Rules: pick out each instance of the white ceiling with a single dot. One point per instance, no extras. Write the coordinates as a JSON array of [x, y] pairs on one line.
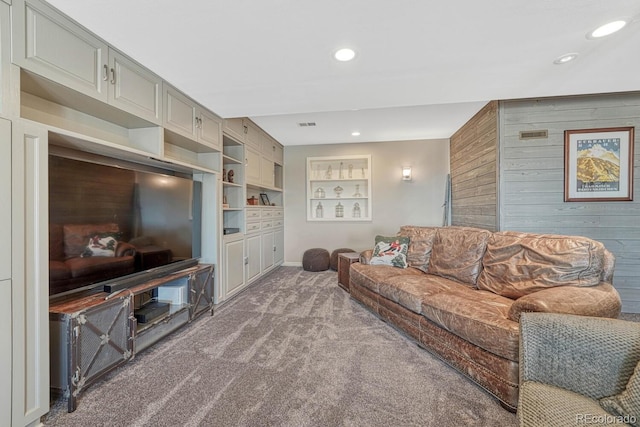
[[422, 69]]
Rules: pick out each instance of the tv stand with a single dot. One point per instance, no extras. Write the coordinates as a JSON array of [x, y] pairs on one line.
[[93, 334]]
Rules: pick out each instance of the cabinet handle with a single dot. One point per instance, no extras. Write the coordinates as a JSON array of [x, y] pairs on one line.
[[113, 76], [105, 72], [246, 129]]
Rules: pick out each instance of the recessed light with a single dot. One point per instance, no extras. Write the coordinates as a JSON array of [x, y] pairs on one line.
[[607, 29], [344, 55], [567, 57], [356, 133]]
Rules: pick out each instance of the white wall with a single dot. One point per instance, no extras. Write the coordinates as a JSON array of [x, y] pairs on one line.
[[395, 202]]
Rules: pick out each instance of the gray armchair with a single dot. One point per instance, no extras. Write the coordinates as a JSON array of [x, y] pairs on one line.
[[568, 363]]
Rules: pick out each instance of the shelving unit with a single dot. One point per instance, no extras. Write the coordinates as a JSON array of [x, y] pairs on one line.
[[234, 198], [339, 188]]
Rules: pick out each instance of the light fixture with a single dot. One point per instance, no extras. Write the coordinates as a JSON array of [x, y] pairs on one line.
[[567, 57], [344, 55], [406, 173], [607, 29], [355, 133]]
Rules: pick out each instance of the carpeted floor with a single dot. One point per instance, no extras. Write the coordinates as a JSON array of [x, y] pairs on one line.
[[292, 350]]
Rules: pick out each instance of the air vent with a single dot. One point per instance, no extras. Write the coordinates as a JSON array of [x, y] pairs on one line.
[[534, 134], [306, 124]]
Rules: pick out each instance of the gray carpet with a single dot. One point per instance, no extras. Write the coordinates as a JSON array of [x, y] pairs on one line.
[[292, 350]]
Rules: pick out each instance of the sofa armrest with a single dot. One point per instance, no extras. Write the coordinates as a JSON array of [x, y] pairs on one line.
[[125, 249], [591, 356], [601, 301], [365, 256]]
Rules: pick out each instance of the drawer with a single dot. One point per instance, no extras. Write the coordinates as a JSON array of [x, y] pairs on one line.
[[266, 225], [278, 213], [253, 226], [278, 223], [267, 213], [253, 213]]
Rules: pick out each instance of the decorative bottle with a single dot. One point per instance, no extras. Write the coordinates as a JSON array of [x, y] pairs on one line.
[[319, 211], [356, 210], [339, 210]]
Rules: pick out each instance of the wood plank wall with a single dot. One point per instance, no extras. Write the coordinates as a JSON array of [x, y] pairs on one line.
[[532, 179], [473, 165], [88, 193]]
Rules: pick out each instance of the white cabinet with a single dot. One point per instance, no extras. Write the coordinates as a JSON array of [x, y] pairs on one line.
[[339, 188], [252, 166], [134, 89], [5, 59], [53, 46], [235, 128], [233, 274], [5, 352], [267, 251], [253, 261], [278, 243], [190, 120], [267, 172], [5, 195]]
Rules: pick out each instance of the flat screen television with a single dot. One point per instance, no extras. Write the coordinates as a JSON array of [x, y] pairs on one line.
[[116, 223]]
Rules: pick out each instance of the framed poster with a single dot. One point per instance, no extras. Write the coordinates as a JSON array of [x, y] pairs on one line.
[[598, 165]]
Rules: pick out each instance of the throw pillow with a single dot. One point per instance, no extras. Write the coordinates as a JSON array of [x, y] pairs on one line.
[[627, 403], [390, 251], [101, 245]]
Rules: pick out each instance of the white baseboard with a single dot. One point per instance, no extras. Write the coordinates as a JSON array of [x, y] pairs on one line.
[[292, 264]]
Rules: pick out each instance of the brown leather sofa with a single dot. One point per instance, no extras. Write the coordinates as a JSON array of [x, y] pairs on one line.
[[464, 290], [69, 270]]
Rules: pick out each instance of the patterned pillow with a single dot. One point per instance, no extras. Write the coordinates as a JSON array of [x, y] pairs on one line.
[[101, 245], [390, 251], [627, 403]]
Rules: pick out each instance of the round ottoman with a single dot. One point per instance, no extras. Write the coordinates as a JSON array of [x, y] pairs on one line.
[[315, 259], [333, 263]]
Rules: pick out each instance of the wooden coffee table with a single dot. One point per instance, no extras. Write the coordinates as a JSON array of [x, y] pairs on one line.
[[345, 260]]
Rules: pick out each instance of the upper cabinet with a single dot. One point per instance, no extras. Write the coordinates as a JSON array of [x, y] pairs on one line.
[[49, 44], [187, 118]]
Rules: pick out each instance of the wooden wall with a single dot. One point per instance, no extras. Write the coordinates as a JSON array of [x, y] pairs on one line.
[[473, 164], [88, 193], [532, 179]]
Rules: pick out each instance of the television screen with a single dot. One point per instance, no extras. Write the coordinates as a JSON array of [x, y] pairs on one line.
[[109, 219]]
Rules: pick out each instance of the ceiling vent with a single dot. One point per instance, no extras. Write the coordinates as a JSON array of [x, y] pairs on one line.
[[534, 134], [306, 124]]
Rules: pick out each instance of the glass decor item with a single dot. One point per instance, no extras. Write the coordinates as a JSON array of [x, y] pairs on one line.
[[357, 193], [340, 173], [319, 211], [329, 173], [319, 193], [350, 171], [339, 210], [356, 210], [338, 191]]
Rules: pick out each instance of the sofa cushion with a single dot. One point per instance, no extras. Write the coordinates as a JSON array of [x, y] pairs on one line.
[[76, 236], [457, 253], [477, 316], [516, 264], [390, 251], [369, 276], [420, 245], [410, 290], [627, 403], [87, 266]]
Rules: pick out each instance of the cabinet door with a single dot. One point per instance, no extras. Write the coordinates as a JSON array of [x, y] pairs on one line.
[[233, 266], [252, 166], [278, 243], [253, 257], [5, 352], [179, 113], [134, 89], [235, 128], [5, 194], [254, 135], [267, 172], [267, 251], [53, 46], [210, 129], [5, 59], [278, 154]]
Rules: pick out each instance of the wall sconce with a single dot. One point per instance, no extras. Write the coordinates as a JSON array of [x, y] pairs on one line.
[[406, 173]]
